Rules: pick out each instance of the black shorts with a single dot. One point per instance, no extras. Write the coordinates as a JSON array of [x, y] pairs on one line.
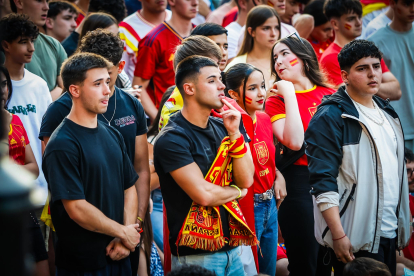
[[37, 242]]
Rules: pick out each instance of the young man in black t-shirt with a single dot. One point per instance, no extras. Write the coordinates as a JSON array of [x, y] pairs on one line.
[[91, 179], [183, 154], [125, 113]]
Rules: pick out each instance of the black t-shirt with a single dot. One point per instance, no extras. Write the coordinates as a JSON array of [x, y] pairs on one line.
[[129, 118], [181, 143], [70, 44], [91, 164]]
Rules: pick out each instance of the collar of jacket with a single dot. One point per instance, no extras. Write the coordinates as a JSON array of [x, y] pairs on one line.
[[344, 102]]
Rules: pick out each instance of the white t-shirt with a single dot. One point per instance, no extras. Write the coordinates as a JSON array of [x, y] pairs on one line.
[[379, 22], [285, 30], [30, 100], [386, 142], [233, 33]]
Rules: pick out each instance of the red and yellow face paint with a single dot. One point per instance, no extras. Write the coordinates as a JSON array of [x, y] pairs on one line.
[[249, 100], [270, 4], [348, 26], [293, 62]]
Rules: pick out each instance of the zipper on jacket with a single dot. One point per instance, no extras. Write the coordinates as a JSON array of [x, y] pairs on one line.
[[341, 213]]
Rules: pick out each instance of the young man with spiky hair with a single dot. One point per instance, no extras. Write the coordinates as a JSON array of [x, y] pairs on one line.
[[49, 56], [345, 17], [91, 179], [124, 113], [61, 20], [31, 95], [355, 149], [396, 41], [194, 183]]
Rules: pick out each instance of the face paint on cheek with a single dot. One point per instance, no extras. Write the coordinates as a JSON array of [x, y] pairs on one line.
[[293, 62], [248, 100], [348, 26], [270, 4]]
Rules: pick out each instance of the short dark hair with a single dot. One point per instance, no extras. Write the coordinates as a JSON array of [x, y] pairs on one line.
[[116, 8], [337, 8], [406, 2], [366, 267], [74, 69], [315, 8], [103, 43], [408, 155], [13, 26], [56, 7], [208, 29], [191, 270], [189, 68], [355, 50]]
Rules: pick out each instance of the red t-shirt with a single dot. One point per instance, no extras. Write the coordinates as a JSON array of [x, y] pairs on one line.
[[17, 140], [329, 63], [308, 101], [156, 57], [409, 250], [319, 47], [231, 16], [263, 151]]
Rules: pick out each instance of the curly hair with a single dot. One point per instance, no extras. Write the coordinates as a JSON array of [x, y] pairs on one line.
[[103, 43], [355, 50], [116, 8], [191, 270], [14, 26]]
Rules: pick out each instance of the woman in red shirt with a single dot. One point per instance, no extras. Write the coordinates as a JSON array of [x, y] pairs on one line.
[[246, 85], [294, 60]]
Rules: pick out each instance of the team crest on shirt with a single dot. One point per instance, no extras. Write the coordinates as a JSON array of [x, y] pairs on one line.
[[262, 152], [312, 110], [171, 57], [23, 141]]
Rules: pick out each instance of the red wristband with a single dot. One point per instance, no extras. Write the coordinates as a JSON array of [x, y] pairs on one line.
[[339, 238]]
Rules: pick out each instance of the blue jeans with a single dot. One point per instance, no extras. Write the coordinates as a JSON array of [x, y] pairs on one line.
[[157, 218], [265, 216], [222, 263]]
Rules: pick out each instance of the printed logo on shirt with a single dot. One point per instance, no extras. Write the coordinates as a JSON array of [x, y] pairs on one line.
[[171, 57], [312, 110], [125, 121], [170, 103], [264, 172], [23, 110], [23, 141], [12, 142], [262, 152]]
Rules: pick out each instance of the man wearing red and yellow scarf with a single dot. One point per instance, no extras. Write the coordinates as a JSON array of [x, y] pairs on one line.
[[204, 166]]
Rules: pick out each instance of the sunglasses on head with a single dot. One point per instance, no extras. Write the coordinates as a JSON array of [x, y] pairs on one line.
[[297, 36]]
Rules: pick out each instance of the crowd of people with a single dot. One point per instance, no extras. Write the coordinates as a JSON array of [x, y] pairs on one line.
[[229, 138]]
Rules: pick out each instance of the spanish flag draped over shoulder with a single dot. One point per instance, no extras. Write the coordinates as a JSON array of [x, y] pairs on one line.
[[369, 6]]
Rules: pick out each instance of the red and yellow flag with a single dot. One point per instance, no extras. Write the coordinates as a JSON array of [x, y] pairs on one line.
[[293, 62]]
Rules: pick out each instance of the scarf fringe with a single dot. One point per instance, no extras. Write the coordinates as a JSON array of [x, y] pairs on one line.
[[201, 243], [248, 242]]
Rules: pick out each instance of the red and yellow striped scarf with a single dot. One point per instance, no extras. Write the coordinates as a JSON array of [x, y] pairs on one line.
[[202, 228]]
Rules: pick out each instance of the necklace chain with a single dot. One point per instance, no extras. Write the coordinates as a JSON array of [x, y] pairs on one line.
[[109, 122], [380, 123]]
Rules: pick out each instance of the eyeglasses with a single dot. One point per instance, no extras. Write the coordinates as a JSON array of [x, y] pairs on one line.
[[297, 36]]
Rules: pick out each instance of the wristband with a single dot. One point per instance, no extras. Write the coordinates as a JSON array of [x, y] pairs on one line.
[[140, 219], [339, 238], [234, 186]]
